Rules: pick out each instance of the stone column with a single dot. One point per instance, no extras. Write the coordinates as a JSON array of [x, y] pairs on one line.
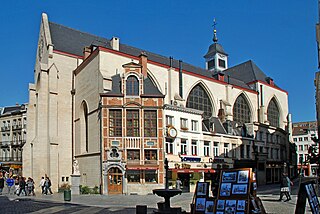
[[75, 184]]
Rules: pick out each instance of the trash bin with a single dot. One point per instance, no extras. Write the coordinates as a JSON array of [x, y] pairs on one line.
[[67, 195], [141, 209]]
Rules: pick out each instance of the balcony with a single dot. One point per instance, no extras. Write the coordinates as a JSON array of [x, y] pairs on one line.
[[5, 143], [11, 159], [16, 126], [18, 142], [132, 142], [5, 128]]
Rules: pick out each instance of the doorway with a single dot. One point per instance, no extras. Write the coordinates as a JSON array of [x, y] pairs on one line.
[[185, 180], [114, 181]]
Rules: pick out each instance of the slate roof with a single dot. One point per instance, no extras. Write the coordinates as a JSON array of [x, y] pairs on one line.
[[149, 87], [72, 41], [303, 128], [214, 48], [12, 109], [247, 72]]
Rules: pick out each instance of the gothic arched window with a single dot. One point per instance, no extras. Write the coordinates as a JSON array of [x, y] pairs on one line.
[[199, 99], [85, 115], [273, 113], [241, 110], [132, 86]]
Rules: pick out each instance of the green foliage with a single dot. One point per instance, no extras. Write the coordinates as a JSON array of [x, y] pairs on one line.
[[88, 190]]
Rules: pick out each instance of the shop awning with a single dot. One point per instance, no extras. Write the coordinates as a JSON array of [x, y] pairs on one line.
[[141, 167], [193, 170]]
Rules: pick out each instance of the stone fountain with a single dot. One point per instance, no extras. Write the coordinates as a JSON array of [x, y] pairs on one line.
[[166, 193]]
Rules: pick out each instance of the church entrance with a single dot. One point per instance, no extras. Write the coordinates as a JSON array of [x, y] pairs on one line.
[[114, 181]]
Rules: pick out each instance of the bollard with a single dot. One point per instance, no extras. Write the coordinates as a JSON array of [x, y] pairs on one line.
[[141, 209]]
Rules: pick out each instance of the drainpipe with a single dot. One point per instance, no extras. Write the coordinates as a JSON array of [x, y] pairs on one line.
[[180, 79], [100, 145], [72, 121]]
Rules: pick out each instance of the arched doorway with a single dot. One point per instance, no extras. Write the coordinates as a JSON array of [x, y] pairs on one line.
[[115, 181]]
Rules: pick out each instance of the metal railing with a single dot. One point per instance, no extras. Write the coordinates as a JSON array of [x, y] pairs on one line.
[[132, 142], [11, 159]]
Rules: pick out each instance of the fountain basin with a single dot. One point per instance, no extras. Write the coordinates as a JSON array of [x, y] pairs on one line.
[[167, 193]]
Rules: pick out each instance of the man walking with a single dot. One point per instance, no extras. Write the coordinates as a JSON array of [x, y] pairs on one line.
[[22, 186], [285, 187], [42, 182]]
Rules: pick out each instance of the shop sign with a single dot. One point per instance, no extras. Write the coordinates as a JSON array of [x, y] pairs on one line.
[[190, 159]]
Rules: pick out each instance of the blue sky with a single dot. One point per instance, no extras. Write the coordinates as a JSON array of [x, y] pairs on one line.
[[279, 36]]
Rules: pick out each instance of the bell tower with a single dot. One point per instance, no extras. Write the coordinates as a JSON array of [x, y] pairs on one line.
[[216, 58]]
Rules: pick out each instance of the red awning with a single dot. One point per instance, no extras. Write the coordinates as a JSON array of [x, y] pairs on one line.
[[193, 170]]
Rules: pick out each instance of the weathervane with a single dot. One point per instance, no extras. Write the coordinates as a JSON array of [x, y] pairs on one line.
[[215, 38]]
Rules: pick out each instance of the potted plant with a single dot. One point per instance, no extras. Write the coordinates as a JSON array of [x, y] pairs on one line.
[[65, 187]]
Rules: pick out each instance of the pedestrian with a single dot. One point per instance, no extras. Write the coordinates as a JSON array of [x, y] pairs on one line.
[[285, 187], [42, 181], [10, 183], [178, 183], [47, 185], [16, 185], [1, 183], [22, 185], [30, 186]]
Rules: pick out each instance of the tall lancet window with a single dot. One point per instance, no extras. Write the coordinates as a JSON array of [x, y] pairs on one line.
[[199, 99], [84, 139], [273, 113], [241, 110], [132, 86]]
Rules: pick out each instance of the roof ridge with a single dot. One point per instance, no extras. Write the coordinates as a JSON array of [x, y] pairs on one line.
[[252, 68], [77, 30]]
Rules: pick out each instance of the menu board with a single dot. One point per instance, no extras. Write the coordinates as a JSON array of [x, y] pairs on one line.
[[312, 198], [307, 191]]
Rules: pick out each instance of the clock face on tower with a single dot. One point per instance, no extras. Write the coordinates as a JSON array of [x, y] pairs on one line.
[[172, 132]]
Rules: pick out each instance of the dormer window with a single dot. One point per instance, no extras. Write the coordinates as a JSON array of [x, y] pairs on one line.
[[222, 63], [132, 86]]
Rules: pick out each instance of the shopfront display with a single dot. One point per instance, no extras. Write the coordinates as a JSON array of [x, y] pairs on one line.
[[236, 194]]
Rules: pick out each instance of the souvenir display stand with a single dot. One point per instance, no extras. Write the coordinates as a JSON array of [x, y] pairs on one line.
[[236, 194], [307, 191]]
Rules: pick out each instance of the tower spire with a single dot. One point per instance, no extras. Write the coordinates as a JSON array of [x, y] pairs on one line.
[[215, 38]]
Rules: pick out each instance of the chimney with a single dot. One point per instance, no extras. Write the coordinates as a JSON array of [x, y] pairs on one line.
[[114, 42], [270, 81], [219, 76], [86, 52], [143, 61]]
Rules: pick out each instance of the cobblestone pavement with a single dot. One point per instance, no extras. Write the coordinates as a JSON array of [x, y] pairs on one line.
[[117, 204]]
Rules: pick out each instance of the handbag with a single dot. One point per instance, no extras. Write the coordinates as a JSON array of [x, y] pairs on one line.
[[284, 189]]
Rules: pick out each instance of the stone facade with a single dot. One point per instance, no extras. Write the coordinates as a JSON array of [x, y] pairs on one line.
[[13, 122], [242, 118]]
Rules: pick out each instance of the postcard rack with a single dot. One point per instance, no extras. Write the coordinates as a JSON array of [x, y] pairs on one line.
[[236, 194]]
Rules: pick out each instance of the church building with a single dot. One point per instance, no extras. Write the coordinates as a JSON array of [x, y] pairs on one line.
[[120, 111]]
